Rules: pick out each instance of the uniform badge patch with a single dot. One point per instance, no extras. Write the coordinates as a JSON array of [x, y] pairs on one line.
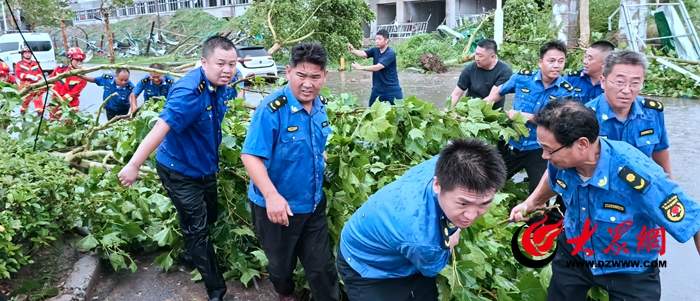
[[324, 124], [646, 132], [653, 104], [673, 208], [209, 108], [613, 206], [292, 128], [277, 103], [525, 72], [525, 90], [145, 80], [447, 228], [578, 90], [561, 183], [633, 179], [567, 86], [323, 99], [201, 86]]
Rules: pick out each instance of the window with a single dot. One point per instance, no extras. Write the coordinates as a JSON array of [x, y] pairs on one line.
[[9, 46], [252, 51], [173, 4], [39, 45]]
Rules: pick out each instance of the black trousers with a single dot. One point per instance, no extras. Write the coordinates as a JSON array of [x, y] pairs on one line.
[[530, 160], [111, 114], [416, 287], [306, 238], [196, 202], [571, 282]]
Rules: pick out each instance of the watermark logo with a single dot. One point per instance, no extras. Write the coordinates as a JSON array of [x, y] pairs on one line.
[[539, 247]]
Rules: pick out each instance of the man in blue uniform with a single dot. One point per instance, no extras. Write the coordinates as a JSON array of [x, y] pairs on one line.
[[284, 156], [152, 85], [587, 82], [624, 115], [121, 87], [385, 77], [533, 90], [393, 247], [619, 207], [189, 128]]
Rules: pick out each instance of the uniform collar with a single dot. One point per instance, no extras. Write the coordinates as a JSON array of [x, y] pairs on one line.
[[601, 174], [606, 112], [296, 106], [209, 87], [557, 82]]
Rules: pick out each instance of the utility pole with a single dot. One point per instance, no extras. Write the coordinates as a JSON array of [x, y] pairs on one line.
[[4, 18]]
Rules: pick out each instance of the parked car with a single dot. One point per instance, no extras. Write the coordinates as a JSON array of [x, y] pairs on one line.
[[255, 60], [40, 43]]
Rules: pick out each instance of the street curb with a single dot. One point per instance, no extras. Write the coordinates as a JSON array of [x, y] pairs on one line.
[[81, 281]]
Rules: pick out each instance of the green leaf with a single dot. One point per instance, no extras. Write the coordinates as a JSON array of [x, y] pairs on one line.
[[244, 231], [165, 261], [196, 276], [248, 276], [87, 243], [260, 257], [164, 237], [415, 134], [117, 261]]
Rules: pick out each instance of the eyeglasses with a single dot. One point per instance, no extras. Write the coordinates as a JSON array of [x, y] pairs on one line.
[[556, 150], [623, 84]]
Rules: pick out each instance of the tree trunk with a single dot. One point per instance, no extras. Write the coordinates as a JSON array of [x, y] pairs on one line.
[[64, 35], [108, 33], [584, 23]]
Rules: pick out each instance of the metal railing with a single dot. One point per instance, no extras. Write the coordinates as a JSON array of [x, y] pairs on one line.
[[405, 30]]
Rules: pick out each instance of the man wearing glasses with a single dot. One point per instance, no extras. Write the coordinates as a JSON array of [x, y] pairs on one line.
[[533, 90], [619, 208], [624, 115]]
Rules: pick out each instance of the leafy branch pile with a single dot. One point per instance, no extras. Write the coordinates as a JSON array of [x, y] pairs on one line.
[[369, 148]]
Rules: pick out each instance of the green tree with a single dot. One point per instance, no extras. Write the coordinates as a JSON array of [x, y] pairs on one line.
[[333, 23], [44, 12]]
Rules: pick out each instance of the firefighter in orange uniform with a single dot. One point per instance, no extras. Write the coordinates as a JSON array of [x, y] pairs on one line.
[[5, 75], [69, 88], [28, 72]]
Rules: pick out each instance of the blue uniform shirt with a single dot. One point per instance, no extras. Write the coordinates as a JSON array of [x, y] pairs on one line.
[[625, 186], [291, 143], [194, 111], [120, 102], [583, 87], [530, 97], [150, 89], [397, 232], [643, 129], [386, 81]]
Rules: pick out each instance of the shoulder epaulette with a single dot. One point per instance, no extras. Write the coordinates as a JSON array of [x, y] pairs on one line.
[[169, 80], [574, 73], [633, 179], [277, 103], [200, 88], [525, 72], [107, 76], [566, 85], [323, 99], [654, 104], [145, 80]]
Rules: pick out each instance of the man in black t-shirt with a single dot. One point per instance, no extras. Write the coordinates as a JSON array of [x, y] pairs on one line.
[[485, 73]]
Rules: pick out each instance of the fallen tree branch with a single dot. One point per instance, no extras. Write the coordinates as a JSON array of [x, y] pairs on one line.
[[81, 71]]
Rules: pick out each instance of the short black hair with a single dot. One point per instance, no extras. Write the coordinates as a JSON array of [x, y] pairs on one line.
[[312, 53], [471, 164], [214, 42], [383, 32], [120, 70], [568, 120], [488, 44], [554, 44], [158, 66], [603, 45]]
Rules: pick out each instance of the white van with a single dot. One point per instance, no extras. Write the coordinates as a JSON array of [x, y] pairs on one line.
[[40, 43]]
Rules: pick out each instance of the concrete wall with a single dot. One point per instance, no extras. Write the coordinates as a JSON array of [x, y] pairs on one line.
[[416, 11]]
